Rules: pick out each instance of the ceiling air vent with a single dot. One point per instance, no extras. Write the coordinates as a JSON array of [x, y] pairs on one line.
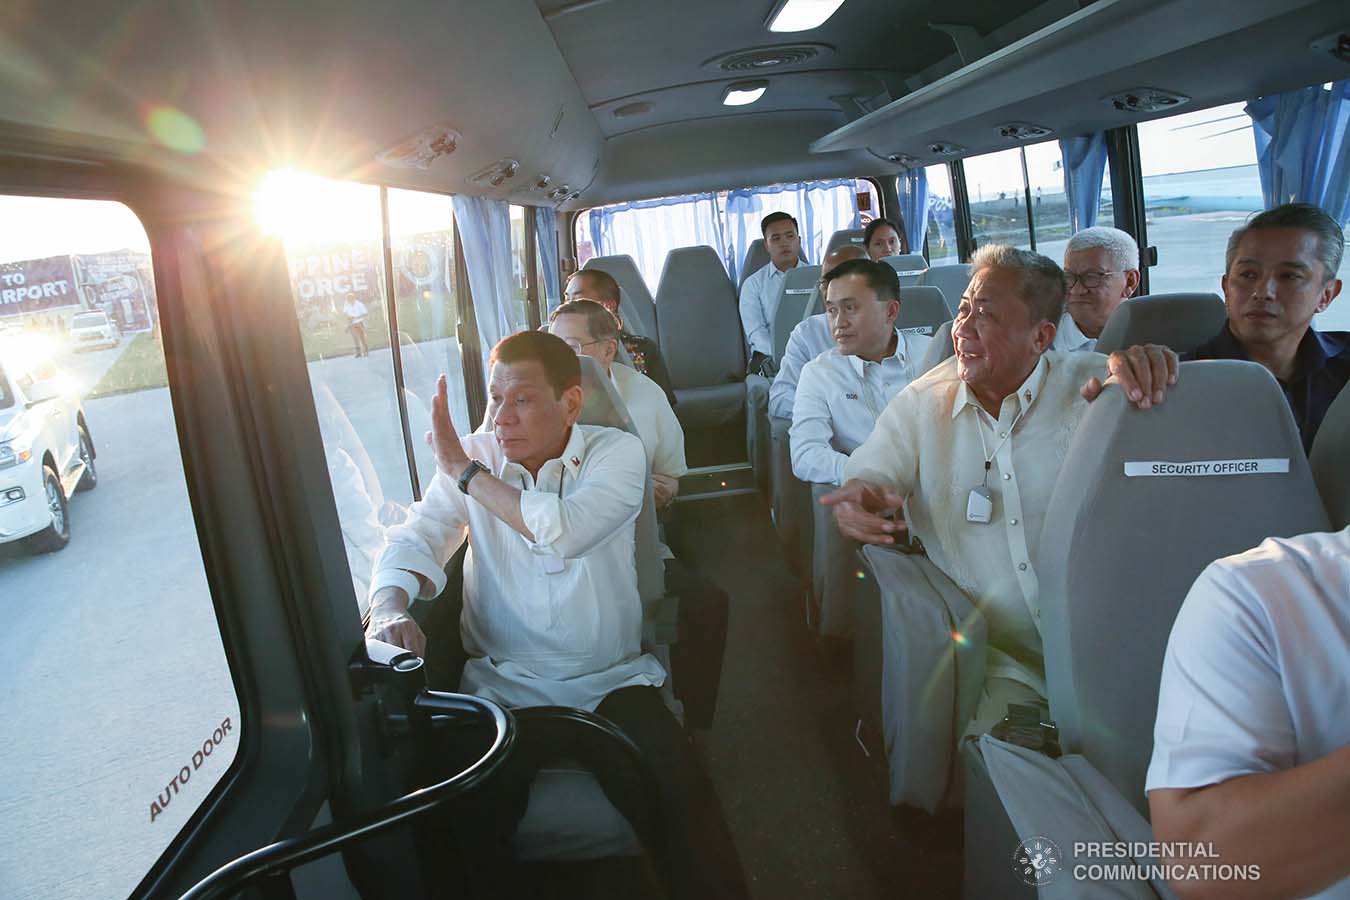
[[541, 183], [762, 59], [1145, 100], [632, 109], [497, 173], [942, 148], [1022, 131], [903, 159], [1336, 44]]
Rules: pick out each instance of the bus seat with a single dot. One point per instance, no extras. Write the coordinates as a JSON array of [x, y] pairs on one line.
[[911, 670], [756, 258], [701, 337], [568, 816], [758, 438], [626, 273], [622, 356], [907, 264], [951, 280], [846, 236], [922, 310], [1180, 321], [633, 320], [1105, 619], [1328, 461], [790, 508], [940, 349], [834, 570], [799, 285]]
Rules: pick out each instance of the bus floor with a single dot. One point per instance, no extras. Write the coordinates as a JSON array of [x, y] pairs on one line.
[[808, 810]]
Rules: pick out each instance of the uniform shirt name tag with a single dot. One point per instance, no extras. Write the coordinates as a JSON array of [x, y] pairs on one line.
[[1205, 468]]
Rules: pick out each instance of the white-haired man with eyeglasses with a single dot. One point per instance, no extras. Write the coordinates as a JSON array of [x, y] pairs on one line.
[[1101, 270]]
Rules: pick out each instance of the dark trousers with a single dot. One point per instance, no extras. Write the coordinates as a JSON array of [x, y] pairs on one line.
[[700, 644], [693, 837]]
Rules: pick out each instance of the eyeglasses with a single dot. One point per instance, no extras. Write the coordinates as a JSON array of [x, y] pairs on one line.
[[578, 346], [1089, 280]]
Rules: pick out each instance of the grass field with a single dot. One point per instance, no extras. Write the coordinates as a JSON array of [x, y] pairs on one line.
[[140, 367]]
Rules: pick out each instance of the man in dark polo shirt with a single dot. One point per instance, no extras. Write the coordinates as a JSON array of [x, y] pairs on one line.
[[1281, 271], [600, 286]]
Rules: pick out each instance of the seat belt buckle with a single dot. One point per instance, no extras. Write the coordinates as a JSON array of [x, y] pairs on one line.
[[1028, 725]]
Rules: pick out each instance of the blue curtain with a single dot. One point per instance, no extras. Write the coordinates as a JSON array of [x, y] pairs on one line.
[[485, 231], [1084, 165], [648, 229], [914, 205], [820, 207], [546, 237], [1302, 148]]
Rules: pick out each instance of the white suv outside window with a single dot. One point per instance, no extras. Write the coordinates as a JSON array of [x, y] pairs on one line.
[[46, 453], [91, 330]]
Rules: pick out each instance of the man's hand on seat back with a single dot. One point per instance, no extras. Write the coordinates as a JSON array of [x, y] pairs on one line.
[[389, 621], [860, 508], [1144, 373]]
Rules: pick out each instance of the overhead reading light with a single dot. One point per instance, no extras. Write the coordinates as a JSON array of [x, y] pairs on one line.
[[743, 93], [419, 150], [941, 148], [560, 193], [903, 159], [497, 173], [1145, 100], [541, 182], [800, 15], [1337, 44], [1023, 131]]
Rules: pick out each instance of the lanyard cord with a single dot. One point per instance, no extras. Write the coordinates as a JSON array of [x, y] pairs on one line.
[[989, 457]]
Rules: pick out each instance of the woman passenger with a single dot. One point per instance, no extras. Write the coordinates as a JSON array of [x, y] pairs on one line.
[[882, 238]]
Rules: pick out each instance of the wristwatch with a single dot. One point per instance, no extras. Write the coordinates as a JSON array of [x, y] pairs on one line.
[[472, 469]]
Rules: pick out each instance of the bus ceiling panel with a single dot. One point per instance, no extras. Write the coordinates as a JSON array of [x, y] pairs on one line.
[[818, 90], [322, 88], [621, 48], [721, 153], [1058, 76]]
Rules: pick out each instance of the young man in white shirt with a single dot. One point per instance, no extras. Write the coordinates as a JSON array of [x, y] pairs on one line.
[[696, 658], [971, 451], [1101, 271], [1251, 750], [759, 294], [356, 313], [843, 391], [551, 610], [809, 338]]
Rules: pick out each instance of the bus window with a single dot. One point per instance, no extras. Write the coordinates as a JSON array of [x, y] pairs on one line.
[[727, 221], [1200, 183], [421, 228], [995, 186], [120, 709], [941, 234], [1050, 204], [521, 270]]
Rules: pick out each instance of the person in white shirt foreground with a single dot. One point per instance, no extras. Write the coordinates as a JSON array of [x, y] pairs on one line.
[[551, 610], [809, 338], [759, 294], [971, 451], [1251, 749], [1101, 271], [696, 657], [843, 390]]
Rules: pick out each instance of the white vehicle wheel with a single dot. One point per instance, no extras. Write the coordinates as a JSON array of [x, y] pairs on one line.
[[56, 535]]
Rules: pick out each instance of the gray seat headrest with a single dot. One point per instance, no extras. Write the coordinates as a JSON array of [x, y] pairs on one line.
[[798, 286], [1133, 521], [630, 280], [846, 236], [756, 258], [951, 280], [1180, 321], [1329, 452], [907, 263], [700, 324], [939, 349], [922, 307]]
